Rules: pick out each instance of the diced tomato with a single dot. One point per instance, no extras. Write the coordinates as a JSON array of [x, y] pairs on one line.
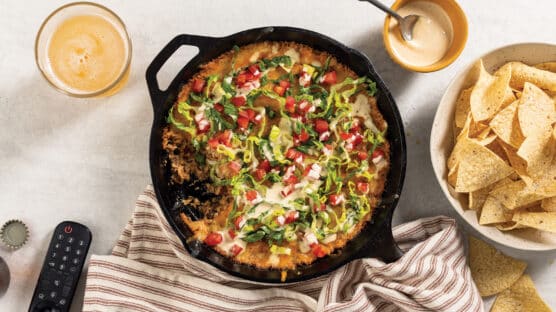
[[242, 122], [346, 136], [218, 107], [362, 155], [234, 167], [238, 101], [363, 187], [198, 85], [254, 69], [321, 125], [305, 106], [292, 179], [203, 126], [287, 191], [232, 233], [329, 78], [291, 216], [225, 138], [357, 139], [235, 250], [238, 222], [251, 114], [259, 174], [265, 165], [303, 136], [213, 142], [292, 153], [279, 90], [324, 136], [242, 78], [377, 153], [290, 104], [319, 207], [213, 239], [318, 250], [335, 199], [243, 113], [355, 126], [251, 195], [258, 119], [285, 84]]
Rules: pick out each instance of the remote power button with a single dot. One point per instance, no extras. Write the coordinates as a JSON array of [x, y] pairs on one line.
[[68, 229]]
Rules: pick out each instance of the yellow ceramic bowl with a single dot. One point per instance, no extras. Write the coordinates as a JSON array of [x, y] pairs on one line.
[[459, 24]]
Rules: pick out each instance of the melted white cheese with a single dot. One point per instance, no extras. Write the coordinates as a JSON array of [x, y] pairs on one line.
[[294, 55], [361, 108]]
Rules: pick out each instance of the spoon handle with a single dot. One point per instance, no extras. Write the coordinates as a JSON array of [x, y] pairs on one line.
[[384, 8]]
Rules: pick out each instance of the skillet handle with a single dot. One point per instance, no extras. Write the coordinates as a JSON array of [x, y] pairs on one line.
[[157, 95]]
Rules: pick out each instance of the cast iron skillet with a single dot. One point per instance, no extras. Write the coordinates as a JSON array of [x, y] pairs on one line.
[[375, 240]]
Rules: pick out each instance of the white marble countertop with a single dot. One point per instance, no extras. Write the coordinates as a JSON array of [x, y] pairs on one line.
[[63, 158]]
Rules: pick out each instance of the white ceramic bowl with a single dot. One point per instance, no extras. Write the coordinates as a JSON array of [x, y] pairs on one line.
[[442, 142]]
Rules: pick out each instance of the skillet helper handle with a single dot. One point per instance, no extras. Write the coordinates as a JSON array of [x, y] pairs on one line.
[[201, 42]]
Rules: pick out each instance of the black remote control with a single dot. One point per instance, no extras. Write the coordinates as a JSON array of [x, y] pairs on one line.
[[61, 269]]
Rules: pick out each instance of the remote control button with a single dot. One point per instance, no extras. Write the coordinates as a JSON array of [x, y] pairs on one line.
[[68, 280], [73, 269], [53, 294], [67, 249], [62, 302], [41, 296], [53, 255], [62, 267], [51, 264], [57, 283], [75, 261], [66, 290], [65, 258], [57, 246], [78, 252], [81, 243], [68, 229], [60, 236], [71, 239]]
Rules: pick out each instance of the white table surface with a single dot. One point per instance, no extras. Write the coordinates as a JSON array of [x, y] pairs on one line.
[[63, 158]]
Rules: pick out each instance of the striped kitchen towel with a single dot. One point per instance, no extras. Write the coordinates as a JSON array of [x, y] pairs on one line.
[[149, 270]]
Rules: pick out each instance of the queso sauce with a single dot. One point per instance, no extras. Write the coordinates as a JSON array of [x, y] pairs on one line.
[[432, 34]]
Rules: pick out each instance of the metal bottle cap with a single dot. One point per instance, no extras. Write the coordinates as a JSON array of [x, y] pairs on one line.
[[14, 234]]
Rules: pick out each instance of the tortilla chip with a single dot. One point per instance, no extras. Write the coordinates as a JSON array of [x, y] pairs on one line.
[[536, 111], [517, 163], [515, 195], [479, 167], [477, 198], [544, 221], [549, 204], [494, 212], [522, 73], [509, 226], [496, 147], [453, 175], [537, 151], [520, 297], [491, 270], [506, 125], [544, 183], [489, 93], [550, 66], [462, 107]]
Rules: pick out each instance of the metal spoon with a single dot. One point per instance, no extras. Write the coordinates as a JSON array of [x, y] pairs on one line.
[[406, 23]]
